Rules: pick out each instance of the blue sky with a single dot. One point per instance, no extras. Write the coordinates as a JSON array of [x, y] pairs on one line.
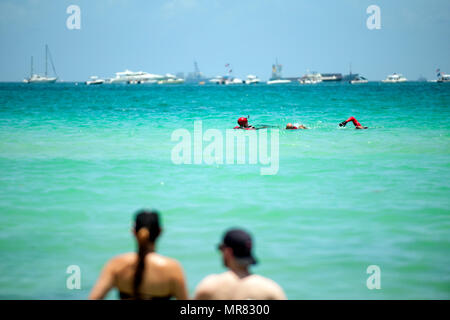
[[160, 36]]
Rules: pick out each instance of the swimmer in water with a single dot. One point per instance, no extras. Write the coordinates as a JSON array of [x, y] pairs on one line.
[[243, 124], [355, 122], [290, 126]]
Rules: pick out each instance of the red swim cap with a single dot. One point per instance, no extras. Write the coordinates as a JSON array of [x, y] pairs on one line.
[[242, 121]]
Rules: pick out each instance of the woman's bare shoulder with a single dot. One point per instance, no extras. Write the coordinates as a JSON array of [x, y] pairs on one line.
[[165, 262], [122, 259]]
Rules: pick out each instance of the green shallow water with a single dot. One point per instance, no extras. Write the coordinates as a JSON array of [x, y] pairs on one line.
[[76, 162]]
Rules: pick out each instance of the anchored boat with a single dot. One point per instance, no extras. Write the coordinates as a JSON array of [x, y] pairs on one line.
[[36, 78]]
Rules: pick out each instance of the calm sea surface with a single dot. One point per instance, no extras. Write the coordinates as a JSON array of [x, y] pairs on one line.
[[76, 162]]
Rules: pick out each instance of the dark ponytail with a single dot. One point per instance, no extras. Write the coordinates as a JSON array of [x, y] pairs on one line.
[[150, 221]]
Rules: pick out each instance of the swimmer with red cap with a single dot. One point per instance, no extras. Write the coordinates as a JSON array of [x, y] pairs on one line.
[[243, 124], [355, 123], [290, 126]]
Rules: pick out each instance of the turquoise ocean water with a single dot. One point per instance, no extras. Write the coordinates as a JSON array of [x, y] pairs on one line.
[[76, 162]]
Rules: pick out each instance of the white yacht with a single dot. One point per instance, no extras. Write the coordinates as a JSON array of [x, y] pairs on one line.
[[170, 79], [251, 79], [217, 80], [394, 78], [359, 79], [131, 77], [123, 77], [226, 80], [230, 81], [276, 75], [311, 78], [36, 78], [279, 81], [94, 80], [442, 77]]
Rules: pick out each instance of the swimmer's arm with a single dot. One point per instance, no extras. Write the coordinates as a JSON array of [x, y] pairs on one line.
[[104, 283], [179, 283]]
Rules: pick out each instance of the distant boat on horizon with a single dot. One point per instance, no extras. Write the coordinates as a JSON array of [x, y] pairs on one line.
[[359, 79], [330, 77], [138, 77], [276, 75], [228, 79], [251, 79], [311, 78], [95, 80], [36, 78], [394, 78], [442, 77], [171, 79], [279, 81]]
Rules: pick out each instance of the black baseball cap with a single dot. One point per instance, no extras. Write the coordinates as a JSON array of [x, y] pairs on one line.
[[241, 243]]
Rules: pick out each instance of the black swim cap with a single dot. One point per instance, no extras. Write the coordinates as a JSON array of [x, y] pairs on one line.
[[241, 243]]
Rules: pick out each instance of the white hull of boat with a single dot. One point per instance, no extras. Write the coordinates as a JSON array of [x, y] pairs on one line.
[[40, 80], [307, 81], [280, 81], [394, 81], [234, 81], [251, 79], [358, 81], [95, 82], [394, 78], [171, 81]]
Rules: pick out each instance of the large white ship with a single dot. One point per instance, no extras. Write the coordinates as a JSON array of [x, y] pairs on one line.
[[132, 77]]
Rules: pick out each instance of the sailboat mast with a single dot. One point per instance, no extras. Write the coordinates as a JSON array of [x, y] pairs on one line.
[[51, 61], [46, 54], [31, 70]]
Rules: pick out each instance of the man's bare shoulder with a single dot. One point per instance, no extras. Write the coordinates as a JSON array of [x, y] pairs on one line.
[[213, 280], [266, 286], [209, 285]]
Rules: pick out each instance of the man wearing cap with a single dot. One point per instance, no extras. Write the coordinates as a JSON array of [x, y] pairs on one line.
[[238, 283]]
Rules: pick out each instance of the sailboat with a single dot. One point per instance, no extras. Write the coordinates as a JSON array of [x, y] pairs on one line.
[[276, 75], [36, 78]]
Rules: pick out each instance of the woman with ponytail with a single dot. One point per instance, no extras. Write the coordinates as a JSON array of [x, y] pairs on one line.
[[145, 274]]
